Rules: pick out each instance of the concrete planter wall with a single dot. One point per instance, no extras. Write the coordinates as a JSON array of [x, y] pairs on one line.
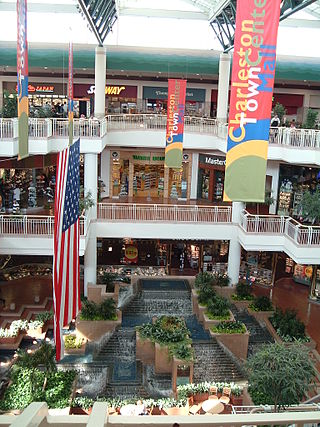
[[145, 350], [311, 345], [97, 294], [208, 323], [225, 291], [11, 343], [236, 343], [241, 305], [93, 330], [163, 360], [260, 315]]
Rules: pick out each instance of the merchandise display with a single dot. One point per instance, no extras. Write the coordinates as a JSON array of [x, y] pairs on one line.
[[285, 196]]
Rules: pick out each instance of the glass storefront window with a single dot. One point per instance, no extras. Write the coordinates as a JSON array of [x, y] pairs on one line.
[[148, 180], [178, 182], [120, 178]]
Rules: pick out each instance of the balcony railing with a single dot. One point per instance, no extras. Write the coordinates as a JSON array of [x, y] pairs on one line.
[[39, 225], [94, 128], [272, 224], [163, 213]]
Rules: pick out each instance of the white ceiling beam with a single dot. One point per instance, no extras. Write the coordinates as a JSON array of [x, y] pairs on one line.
[[300, 23], [163, 13]]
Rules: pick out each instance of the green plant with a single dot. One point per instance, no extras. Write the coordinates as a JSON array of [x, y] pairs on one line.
[[35, 324], [203, 278], [83, 402], [145, 331], [311, 119], [261, 303], [186, 390], [15, 327], [280, 110], [71, 341], [310, 206], [221, 280], [218, 307], [229, 328], [104, 311], [108, 280], [10, 105], [86, 201], [279, 375], [288, 326], [243, 292], [44, 316], [181, 351]]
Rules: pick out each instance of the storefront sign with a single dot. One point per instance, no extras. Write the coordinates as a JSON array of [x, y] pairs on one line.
[[110, 90], [253, 70], [210, 160], [39, 89], [131, 254], [150, 157], [197, 95], [122, 91], [22, 78], [175, 123]]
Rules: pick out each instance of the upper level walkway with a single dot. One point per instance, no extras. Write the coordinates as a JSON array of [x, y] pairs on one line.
[[148, 131], [26, 234]]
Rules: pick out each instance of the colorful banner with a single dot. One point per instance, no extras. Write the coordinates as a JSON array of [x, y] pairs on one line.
[[175, 123], [253, 70], [22, 77], [70, 94]]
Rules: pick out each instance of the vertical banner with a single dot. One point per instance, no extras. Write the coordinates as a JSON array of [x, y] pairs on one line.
[[253, 70], [22, 77], [70, 94], [175, 123]]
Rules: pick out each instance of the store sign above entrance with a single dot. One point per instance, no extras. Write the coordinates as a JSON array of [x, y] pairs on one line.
[[209, 160], [110, 90], [39, 89], [143, 158], [197, 95], [253, 71]]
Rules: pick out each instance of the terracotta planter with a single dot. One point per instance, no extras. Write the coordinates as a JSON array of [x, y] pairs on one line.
[[11, 343], [80, 350], [177, 411], [156, 411], [236, 343], [236, 400], [93, 330], [311, 344], [145, 350], [163, 361], [80, 411], [208, 323], [260, 315], [200, 397], [242, 305]]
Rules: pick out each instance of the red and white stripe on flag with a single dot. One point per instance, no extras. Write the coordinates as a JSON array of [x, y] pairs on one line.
[[66, 266]]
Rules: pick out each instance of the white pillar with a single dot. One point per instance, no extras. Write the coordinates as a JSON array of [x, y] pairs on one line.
[[105, 172], [90, 261], [207, 105], [234, 255], [1, 94], [273, 169], [140, 105], [91, 179], [234, 258], [223, 87], [100, 82], [194, 175]]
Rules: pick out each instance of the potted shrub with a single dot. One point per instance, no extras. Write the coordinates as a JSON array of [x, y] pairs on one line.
[[201, 392], [218, 309], [11, 337], [35, 328], [175, 407], [236, 395], [81, 405], [74, 344], [47, 318], [234, 336], [108, 279], [243, 294], [261, 307]]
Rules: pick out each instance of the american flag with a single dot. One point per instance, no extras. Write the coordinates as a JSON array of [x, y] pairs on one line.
[[66, 267]]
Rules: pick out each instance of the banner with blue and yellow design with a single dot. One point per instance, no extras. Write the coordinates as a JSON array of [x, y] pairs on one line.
[[22, 77], [175, 123], [253, 70]]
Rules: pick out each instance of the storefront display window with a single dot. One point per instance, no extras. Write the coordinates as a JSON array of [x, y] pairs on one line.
[[294, 181], [302, 274], [148, 180], [120, 178], [178, 182], [256, 267], [211, 178], [215, 256]]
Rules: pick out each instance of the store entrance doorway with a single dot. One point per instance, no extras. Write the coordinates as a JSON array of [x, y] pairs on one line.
[[148, 181]]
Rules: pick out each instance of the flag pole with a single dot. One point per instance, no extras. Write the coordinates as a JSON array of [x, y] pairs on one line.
[[70, 94]]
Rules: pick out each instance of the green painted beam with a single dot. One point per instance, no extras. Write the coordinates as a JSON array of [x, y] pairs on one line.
[[205, 63]]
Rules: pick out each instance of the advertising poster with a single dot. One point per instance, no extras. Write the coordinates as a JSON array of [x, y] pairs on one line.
[[253, 71]]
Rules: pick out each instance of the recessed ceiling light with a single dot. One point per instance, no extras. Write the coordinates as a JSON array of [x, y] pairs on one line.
[[45, 68], [159, 72], [122, 71], [198, 74], [84, 69]]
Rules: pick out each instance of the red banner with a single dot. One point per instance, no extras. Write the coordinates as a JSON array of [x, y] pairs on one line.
[[22, 77], [253, 70], [175, 123]]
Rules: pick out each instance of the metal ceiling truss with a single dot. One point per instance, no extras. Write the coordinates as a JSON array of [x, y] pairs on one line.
[[223, 21], [101, 16]]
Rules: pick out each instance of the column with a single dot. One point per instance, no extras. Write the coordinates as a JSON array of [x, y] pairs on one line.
[[207, 105], [313, 282], [105, 172], [1, 94], [91, 179], [194, 175], [273, 169], [100, 82], [223, 87], [234, 255], [140, 106], [90, 261]]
